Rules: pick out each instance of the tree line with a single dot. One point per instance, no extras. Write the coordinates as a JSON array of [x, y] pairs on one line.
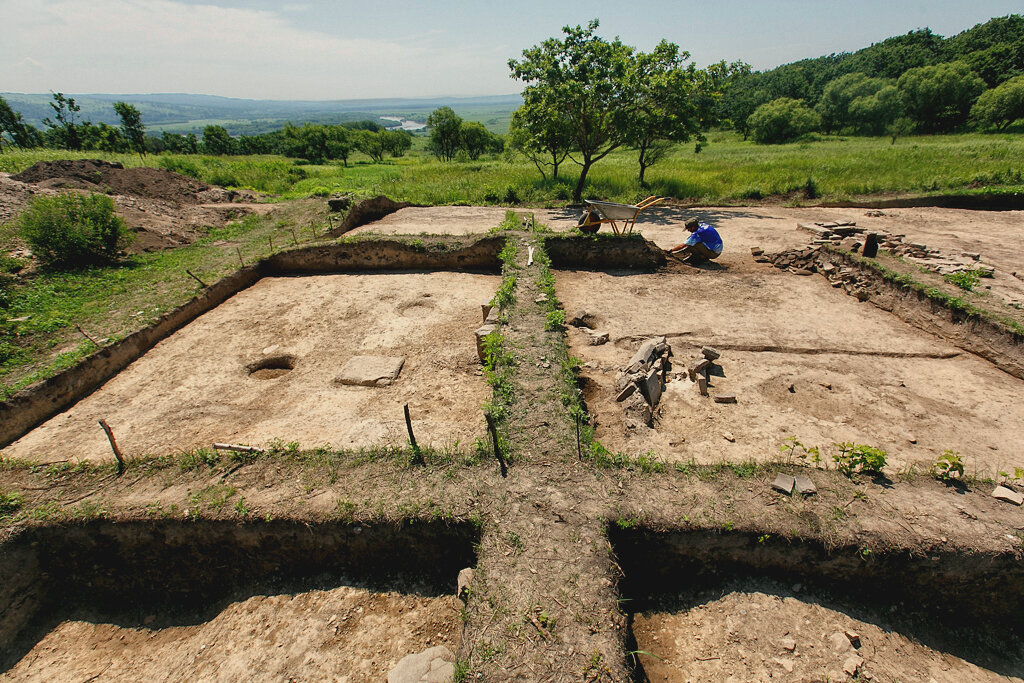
[[316, 143], [918, 82]]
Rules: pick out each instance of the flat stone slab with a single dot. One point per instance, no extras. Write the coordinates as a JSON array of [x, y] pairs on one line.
[[725, 398], [434, 665], [784, 483], [804, 485], [1008, 495], [370, 371]]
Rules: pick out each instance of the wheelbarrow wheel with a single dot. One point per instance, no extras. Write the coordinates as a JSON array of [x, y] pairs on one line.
[[585, 227]]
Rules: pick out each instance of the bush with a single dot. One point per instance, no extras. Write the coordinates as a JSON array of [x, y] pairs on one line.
[[782, 120], [72, 230]]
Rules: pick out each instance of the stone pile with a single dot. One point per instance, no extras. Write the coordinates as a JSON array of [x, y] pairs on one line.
[[832, 229], [639, 386], [811, 260], [699, 367]]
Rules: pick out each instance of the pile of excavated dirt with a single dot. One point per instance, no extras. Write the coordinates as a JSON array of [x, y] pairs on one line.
[[164, 209]]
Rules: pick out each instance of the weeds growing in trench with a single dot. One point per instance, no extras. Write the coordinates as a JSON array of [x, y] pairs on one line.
[[949, 467], [10, 502]]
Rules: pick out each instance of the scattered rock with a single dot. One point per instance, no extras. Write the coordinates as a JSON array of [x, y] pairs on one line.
[[1008, 495], [725, 398], [485, 309], [804, 485], [598, 338], [853, 637], [370, 371], [710, 353], [652, 386], [480, 333], [756, 251], [788, 644], [626, 392], [729, 437], [702, 385], [784, 483], [465, 580], [786, 664], [839, 642], [434, 665], [852, 665]]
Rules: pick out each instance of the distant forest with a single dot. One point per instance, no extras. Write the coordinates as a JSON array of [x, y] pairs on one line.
[[937, 80]]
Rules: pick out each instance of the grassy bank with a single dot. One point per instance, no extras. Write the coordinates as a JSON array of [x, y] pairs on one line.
[[727, 169]]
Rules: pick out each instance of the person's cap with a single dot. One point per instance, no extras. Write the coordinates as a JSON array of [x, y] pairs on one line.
[[692, 223]]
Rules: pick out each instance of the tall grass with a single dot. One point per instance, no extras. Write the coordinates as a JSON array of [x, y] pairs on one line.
[[727, 169]]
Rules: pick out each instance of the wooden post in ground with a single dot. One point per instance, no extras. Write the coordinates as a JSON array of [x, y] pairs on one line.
[[113, 446], [86, 334], [494, 438], [295, 237], [239, 252], [196, 277], [417, 455]]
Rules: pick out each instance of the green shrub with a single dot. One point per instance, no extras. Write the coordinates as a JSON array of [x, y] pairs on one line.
[[72, 230], [949, 467], [966, 280], [782, 120], [853, 458]]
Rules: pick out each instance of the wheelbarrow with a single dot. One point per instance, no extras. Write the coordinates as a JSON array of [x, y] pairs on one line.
[[610, 212]]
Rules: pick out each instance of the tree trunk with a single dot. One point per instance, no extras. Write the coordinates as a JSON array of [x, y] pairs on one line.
[[577, 194]]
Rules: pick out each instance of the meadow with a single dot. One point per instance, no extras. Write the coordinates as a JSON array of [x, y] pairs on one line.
[[726, 170]]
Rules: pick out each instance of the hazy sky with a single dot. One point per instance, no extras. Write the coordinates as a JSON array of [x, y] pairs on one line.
[[401, 48]]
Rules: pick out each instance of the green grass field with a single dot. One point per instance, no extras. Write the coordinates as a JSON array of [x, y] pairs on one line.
[[728, 169]]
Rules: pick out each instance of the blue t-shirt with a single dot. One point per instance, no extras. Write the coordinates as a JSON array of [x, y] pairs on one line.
[[708, 236]]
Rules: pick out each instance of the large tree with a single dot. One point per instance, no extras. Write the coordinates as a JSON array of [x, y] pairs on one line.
[[1002, 105], [10, 124], [64, 131], [132, 128], [939, 98], [216, 140], [445, 132], [666, 109], [542, 136], [583, 78]]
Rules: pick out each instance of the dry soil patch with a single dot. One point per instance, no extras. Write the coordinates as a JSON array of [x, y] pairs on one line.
[[755, 631], [195, 387], [304, 636], [437, 220], [803, 359]]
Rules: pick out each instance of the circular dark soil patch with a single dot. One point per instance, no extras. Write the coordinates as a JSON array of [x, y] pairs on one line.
[[272, 367]]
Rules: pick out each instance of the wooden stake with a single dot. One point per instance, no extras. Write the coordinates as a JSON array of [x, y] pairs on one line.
[[239, 252], [271, 238], [494, 438], [579, 446], [312, 228], [86, 334], [294, 237], [195, 277], [113, 446], [417, 455]]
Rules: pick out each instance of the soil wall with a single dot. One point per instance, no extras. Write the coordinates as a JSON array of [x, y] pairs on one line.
[[950, 584], [115, 568], [383, 255], [588, 253], [996, 343]]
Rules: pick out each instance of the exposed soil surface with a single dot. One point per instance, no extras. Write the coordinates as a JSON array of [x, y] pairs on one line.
[[758, 630], [195, 387], [305, 636], [164, 208], [803, 359], [437, 220]]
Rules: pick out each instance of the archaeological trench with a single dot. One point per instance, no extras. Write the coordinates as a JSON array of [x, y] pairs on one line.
[[529, 455]]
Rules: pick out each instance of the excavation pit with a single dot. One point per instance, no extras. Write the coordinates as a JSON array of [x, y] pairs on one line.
[[188, 390], [271, 368], [802, 358], [222, 600], [706, 605]]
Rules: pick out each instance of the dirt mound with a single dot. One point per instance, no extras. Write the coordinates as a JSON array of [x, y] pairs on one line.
[[164, 208], [113, 178]]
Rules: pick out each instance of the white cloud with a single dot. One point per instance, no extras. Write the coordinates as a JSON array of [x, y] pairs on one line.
[[124, 46]]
